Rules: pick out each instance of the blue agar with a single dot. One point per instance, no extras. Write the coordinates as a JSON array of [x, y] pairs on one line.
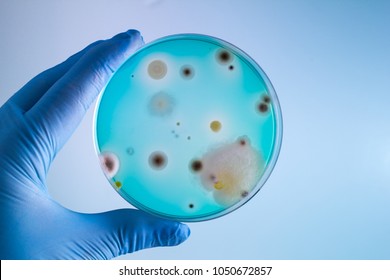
[[189, 128]]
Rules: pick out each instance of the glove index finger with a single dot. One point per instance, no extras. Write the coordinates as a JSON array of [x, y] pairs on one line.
[[118, 232], [31, 92], [57, 114]]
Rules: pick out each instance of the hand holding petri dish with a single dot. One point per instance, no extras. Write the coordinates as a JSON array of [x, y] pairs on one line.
[[189, 128]]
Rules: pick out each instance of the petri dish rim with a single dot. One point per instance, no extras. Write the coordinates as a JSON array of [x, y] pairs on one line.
[[276, 109]]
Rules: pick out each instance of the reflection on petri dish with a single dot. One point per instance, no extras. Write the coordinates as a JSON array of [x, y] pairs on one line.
[[189, 128]]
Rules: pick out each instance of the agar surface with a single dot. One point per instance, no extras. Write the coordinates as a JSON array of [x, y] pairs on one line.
[[198, 121]]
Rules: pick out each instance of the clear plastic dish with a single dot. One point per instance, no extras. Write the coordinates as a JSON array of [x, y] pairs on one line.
[[189, 128]]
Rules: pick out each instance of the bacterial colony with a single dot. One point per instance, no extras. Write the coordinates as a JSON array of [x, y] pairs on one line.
[[189, 128]]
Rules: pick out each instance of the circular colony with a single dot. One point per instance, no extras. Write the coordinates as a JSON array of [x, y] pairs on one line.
[[189, 128]]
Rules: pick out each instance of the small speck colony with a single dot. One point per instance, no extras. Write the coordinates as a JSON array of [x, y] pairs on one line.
[[187, 72], [229, 172]]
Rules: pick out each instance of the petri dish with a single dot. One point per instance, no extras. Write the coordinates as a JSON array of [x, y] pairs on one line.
[[189, 128]]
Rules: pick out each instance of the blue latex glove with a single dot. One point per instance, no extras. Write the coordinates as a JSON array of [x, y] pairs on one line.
[[34, 124]]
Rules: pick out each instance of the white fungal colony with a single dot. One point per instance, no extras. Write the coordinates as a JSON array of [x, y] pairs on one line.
[[231, 171]]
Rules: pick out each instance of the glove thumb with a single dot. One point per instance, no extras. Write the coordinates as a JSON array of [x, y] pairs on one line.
[[114, 233]]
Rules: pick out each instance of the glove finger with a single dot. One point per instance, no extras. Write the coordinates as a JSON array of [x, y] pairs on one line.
[[119, 232], [59, 111], [30, 93]]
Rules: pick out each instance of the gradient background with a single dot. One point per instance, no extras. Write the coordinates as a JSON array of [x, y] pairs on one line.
[[329, 61]]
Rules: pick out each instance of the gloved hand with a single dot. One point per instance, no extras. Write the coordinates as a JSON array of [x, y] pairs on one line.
[[34, 124]]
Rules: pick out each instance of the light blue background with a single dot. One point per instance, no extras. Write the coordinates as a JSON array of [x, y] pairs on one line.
[[329, 61]]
